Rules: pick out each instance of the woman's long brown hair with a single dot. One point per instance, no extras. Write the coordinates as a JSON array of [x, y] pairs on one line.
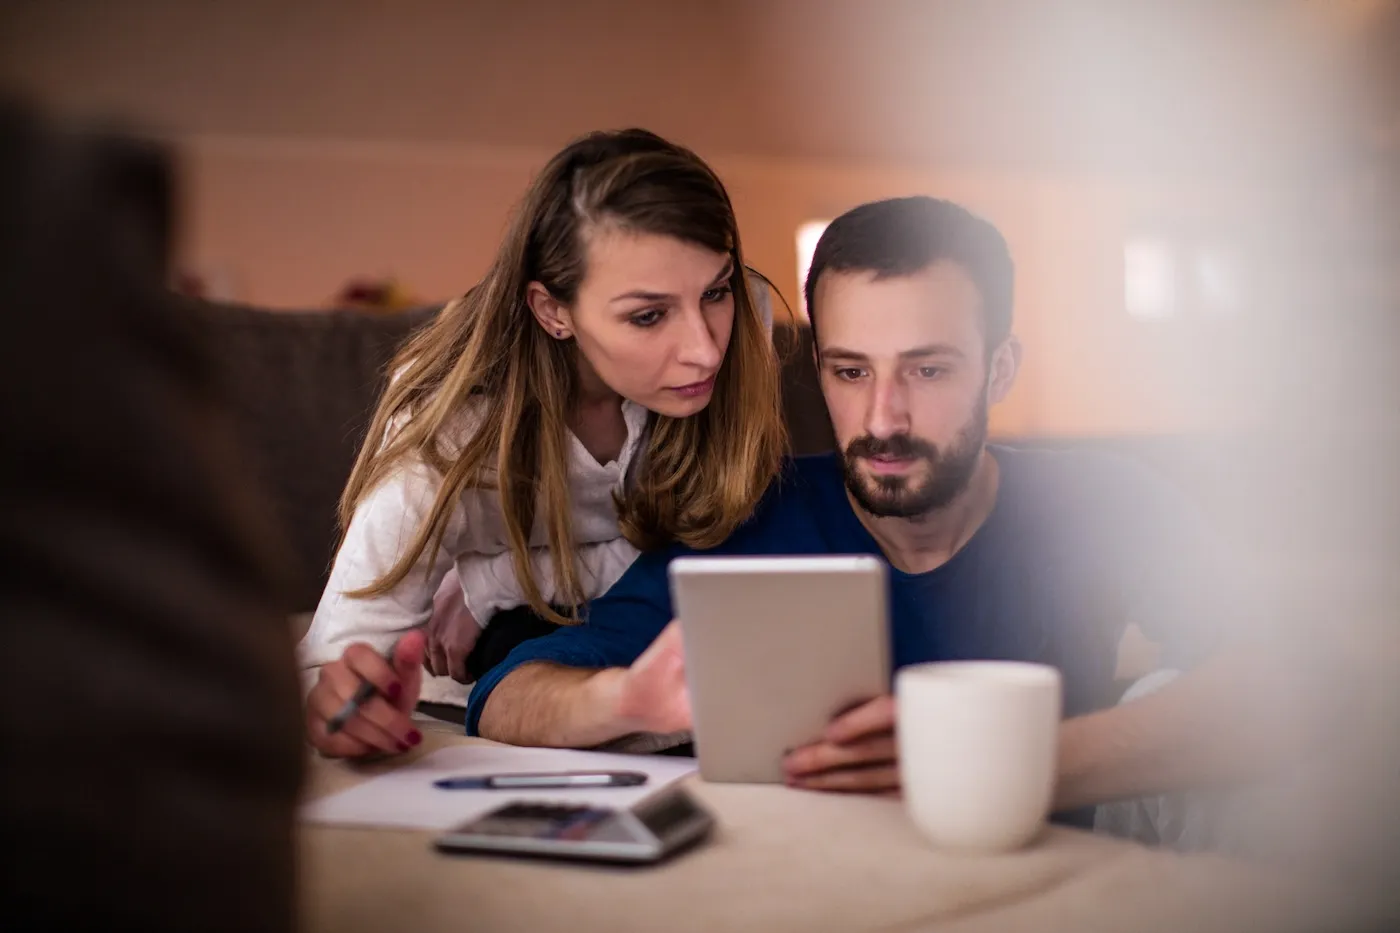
[[698, 477]]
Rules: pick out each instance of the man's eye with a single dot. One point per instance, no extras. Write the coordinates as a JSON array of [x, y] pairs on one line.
[[649, 318], [930, 372], [718, 293]]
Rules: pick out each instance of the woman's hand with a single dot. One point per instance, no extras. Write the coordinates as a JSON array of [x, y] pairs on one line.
[[452, 632], [382, 725]]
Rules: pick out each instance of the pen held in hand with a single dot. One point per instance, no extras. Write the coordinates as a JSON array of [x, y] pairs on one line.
[[362, 695]]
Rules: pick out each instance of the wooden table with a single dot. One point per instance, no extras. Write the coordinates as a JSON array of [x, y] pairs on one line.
[[782, 860]]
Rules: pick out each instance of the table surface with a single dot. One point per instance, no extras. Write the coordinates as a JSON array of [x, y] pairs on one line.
[[781, 860]]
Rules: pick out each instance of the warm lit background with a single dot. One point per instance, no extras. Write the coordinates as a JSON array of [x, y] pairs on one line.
[[1146, 161]]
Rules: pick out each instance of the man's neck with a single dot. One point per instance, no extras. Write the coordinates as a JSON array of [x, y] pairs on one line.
[[918, 545]]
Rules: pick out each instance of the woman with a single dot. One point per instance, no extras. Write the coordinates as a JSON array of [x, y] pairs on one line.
[[609, 385]]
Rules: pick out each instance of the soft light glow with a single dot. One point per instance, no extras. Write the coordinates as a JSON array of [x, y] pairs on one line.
[[1218, 281], [807, 236], [1149, 278]]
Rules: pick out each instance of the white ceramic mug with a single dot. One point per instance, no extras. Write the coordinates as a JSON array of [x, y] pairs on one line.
[[977, 744]]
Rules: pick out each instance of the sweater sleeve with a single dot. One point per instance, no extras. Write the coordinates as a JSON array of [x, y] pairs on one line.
[[617, 629], [382, 527]]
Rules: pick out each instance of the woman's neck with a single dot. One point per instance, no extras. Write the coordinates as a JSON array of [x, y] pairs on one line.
[[597, 419]]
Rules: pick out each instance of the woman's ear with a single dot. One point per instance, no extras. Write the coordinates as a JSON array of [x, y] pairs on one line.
[[1005, 364], [551, 313]]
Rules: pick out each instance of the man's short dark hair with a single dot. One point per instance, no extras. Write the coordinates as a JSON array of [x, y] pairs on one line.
[[904, 236]]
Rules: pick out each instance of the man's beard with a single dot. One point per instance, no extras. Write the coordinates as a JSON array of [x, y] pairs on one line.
[[948, 474]]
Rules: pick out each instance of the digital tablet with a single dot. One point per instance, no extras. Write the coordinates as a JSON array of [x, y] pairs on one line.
[[775, 648]]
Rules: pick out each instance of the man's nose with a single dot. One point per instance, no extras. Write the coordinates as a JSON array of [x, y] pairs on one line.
[[889, 409]]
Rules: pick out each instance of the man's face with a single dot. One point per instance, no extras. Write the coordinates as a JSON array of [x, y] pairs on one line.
[[904, 370]]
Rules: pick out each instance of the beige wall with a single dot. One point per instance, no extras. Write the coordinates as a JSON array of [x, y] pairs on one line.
[[292, 221], [324, 140]]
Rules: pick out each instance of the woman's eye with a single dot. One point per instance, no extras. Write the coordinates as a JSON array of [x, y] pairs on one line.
[[848, 373], [649, 318], [718, 293]]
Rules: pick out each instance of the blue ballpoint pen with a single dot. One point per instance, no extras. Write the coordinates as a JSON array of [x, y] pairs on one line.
[[574, 780]]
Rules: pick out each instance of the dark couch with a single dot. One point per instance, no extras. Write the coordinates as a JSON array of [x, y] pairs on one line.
[[305, 385]]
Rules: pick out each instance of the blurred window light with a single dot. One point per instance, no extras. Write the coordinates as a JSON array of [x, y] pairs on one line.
[[1149, 278], [807, 236], [1218, 282]]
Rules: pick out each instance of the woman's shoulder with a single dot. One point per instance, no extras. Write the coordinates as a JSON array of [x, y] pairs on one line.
[[456, 431]]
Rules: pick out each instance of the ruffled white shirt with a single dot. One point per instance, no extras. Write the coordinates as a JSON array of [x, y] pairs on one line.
[[474, 546]]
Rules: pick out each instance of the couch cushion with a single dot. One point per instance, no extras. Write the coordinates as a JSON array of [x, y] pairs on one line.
[[304, 385]]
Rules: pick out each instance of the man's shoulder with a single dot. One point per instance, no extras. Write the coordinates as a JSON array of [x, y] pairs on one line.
[[1089, 489], [1073, 471]]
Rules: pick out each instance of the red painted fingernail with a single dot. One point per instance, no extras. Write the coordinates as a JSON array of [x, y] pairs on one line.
[[395, 690], [404, 746], [414, 737]]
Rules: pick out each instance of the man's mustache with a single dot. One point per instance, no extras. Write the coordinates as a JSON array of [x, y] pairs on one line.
[[902, 446]]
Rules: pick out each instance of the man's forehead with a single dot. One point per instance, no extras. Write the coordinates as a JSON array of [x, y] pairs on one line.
[[861, 311]]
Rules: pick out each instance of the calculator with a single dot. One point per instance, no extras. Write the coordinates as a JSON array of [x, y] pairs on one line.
[[649, 832]]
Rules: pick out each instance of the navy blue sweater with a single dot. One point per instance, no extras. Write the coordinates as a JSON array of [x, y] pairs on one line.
[[1076, 547]]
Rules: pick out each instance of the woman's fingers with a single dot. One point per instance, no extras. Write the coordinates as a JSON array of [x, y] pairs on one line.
[[356, 739], [395, 724], [366, 663], [435, 659], [408, 662], [377, 724]]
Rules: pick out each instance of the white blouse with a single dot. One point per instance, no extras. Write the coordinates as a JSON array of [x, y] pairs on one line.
[[474, 545]]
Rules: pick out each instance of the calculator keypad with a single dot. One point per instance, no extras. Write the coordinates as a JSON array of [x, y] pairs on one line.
[[542, 821]]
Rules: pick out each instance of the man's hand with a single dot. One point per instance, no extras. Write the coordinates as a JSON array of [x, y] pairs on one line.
[[857, 753], [382, 726], [452, 632], [569, 707], [651, 694]]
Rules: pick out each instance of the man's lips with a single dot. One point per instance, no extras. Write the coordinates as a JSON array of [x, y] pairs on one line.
[[889, 464]]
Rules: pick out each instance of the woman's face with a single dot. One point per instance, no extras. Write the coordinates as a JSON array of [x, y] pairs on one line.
[[652, 318]]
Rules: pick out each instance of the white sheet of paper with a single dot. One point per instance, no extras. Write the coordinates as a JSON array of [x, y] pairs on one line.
[[406, 798]]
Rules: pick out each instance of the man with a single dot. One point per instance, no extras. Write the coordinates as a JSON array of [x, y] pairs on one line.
[[995, 553]]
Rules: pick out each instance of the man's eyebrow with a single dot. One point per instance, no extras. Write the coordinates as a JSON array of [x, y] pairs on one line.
[[933, 349], [641, 295]]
